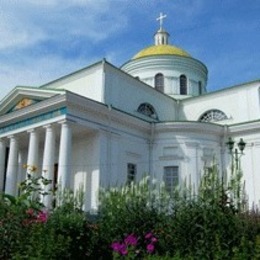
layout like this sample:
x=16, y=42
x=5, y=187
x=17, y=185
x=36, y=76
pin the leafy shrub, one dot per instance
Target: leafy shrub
x=136, y=208
x=140, y=220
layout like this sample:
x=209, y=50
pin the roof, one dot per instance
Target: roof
x=161, y=50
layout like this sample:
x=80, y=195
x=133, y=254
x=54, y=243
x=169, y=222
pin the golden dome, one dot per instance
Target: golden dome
x=161, y=50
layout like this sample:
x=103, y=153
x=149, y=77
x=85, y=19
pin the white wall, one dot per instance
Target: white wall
x=250, y=165
x=240, y=104
x=126, y=93
x=87, y=82
x=190, y=150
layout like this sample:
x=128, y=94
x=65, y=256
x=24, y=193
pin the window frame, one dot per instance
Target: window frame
x=147, y=110
x=159, y=82
x=183, y=85
x=131, y=173
x=171, y=173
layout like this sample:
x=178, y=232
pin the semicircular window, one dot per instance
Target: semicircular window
x=148, y=110
x=213, y=116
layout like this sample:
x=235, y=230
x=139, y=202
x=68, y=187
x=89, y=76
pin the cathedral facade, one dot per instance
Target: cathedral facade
x=104, y=126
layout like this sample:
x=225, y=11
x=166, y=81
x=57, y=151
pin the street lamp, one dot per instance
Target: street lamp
x=236, y=154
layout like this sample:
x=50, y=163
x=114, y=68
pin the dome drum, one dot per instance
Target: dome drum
x=171, y=67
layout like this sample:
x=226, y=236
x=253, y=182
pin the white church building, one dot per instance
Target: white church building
x=104, y=125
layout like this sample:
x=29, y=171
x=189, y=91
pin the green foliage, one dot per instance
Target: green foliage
x=27, y=232
x=212, y=223
x=14, y=228
x=69, y=200
x=72, y=225
x=11, y=229
x=136, y=208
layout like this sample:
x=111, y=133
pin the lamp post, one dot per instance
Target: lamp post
x=235, y=153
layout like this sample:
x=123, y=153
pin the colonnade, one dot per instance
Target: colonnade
x=49, y=151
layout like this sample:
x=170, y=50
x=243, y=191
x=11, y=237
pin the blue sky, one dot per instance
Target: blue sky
x=41, y=40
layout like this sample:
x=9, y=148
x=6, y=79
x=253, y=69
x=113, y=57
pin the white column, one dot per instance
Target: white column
x=33, y=150
x=11, y=174
x=20, y=171
x=64, y=167
x=48, y=162
x=2, y=163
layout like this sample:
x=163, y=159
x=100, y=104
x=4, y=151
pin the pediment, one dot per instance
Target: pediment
x=22, y=97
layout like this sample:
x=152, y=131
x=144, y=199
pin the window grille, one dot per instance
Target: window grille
x=213, y=116
x=148, y=110
x=171, y=178
x=131, y=173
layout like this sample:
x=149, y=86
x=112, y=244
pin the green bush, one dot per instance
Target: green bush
x=136, y=208
x=212, y=224
x=140, y=220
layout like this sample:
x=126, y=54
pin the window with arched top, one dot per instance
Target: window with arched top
x=159, y=82
x=148, y=110
x=213, y=115
x=183, y=85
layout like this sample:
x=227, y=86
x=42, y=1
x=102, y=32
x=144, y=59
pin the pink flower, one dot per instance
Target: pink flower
x=154, y=239
x=148, y=235
x=42, y=217
x=131, y=240
x=150, y=248
x=124, y=251
x=116, y=246
x=119, y=248
x=29, y=212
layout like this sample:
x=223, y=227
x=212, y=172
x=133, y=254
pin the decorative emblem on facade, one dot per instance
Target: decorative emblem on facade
x=23, y=103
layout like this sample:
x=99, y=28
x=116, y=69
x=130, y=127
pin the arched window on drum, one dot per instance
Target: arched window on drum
x=183, y=85
x=159, y=82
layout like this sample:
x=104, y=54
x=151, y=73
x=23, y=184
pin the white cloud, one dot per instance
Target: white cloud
x=35, y=72
x=28, y=22
x=44, y=39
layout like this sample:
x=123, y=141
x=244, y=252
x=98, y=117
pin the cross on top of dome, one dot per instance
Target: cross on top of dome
x=161, y=37
x=160, y=18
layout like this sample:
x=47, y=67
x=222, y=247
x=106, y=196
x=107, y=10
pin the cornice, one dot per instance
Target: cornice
x=191, y=127
x=166, y=61
x=102, y=113
x=245, y=128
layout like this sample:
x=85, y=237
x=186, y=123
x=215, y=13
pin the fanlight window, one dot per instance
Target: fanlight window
x=148, y=110
x=213, y=116
x=159, y=82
